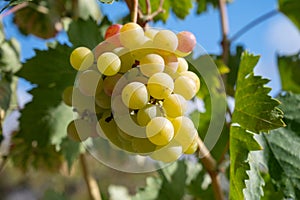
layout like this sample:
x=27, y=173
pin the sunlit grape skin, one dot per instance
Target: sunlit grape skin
x=165, y=40
x=175, y=105
x=135, y=95
x=160, y=131
x=151, y=64
x=186, y=41
x=160, y=85
x=81, y=58
x=108, y=63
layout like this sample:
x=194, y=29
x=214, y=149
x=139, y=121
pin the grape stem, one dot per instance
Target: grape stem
x=145, y=18
x=210, y=166
x=93, y=188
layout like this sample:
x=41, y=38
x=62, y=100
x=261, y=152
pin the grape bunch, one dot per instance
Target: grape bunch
x=133, y=90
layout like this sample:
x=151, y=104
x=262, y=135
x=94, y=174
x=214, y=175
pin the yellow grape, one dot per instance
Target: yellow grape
x=193, y=147
x=108, y=63
x=184, y=130
x=110, y=82
x=175, y=105
x=151, y=64
x=182, y=65
x=135, y=95
x=131, y=35
x=160, y=85
x=143, y=146
x=81, y=58
x=79, y=130
x=171, y=63
x=192, y=76
x=160, y=131
x=67, y=95
x=185, y=86
x=165, y=40
x=167, y=154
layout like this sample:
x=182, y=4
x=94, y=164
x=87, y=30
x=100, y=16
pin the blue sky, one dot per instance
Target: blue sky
x=275, y=35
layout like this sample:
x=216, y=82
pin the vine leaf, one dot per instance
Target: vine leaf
x=281, y=149
x=289, y=69
x=255, y=111
x=170, y=184
x=291, y=9
x=44, y=120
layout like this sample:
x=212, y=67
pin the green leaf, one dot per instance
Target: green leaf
x=89, y=8
x=8, y=95
x=170, y=185
x=51, y=194
x=44, y=120
x=254, y=186
x=254, y=109
x=181, y=8
x=202, y=5
x=70, y=150
x=84, y=33
x=291, y=9
x=282, y=149
x=241, y=143
x=289, y=69
x=10, y=56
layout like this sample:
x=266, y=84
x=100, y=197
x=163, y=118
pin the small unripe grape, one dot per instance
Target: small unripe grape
x=110, y=82
x=81, y=58
x=109, y=64
x=67, y=95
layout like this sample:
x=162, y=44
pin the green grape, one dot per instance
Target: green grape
x=81, y=58
x=82, y=102
x=67, y=95
x=135, y=95
x=79, y=130
x=108, y=63
x=160, y=85
x=175, y=105
x=167, y=154
x=110, y=82
x=131, y=35
x=151, y=64
x=118, y=107
x=192, y=76
x=143, y=146
x=185, y=86
x=160, y=131
x=192, y=148
x=88, y=81
x=127, y=60
x=171, y=63
x=166, y=40
x=184, y=130
x=182, y=65
x=147, y=113
x=102, y=100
